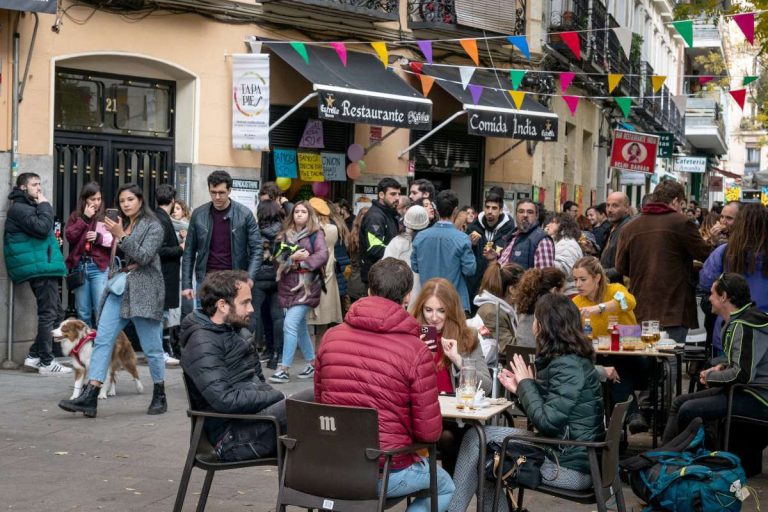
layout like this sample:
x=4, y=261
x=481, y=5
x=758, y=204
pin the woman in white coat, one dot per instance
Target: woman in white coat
x=415, y=219
x=565, y=232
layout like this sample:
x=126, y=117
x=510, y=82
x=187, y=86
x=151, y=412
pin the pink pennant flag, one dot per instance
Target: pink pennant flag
x=704, y=79
x=739, y=95
x=341, y=50
x=746, y=23
x=475, y=91
x=566, y=78
x=572, y=40
x=572, y=102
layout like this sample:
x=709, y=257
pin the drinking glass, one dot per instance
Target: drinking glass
x=646, y=334
x=656, y=330
x=465, y=393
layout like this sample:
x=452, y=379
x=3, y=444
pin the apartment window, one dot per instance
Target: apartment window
x=753, y=156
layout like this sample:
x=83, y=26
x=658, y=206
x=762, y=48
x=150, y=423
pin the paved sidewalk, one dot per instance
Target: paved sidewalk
x=125, y=460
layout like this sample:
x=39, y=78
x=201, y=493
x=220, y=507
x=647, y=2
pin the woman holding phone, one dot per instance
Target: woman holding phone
x=89, y=244
x=139, y=298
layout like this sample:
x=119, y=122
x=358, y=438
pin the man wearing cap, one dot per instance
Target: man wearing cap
x=415, y=219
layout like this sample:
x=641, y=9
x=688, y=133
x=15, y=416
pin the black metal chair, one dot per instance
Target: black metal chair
x=332, y=460
x=604, y=472
x=730, y=417
x=202, y=455
x=529, y=354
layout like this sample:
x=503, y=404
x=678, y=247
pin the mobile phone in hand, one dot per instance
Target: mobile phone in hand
x=113, y=214
x=430, y=336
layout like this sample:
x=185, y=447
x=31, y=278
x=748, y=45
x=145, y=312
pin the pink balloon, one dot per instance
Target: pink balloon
x=353, y=171
x=321, y=188
x=356, y=152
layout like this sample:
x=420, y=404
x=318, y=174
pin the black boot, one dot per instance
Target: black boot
x=272, y=363
x=85, y=403
x=158, y=404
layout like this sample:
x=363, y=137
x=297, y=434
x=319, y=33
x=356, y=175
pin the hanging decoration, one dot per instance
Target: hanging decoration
x=705, y=79
x=739, y=95
x=748, y=80
x=516, y=77
x=657, y=81
x=353, y=171
x=426, y=84
x=681, y=102
x=341, y=50
x=466, y=73
x=572, y=102
x=362, y=165
x=426, y=50
x=521, y=44
x=475, y=91
x=625, y=104
x=566, y=78
x=517, y=97
x=283, y=183
x=381, y=50
x=746, y=22
x=355, y=152
x=470, y=46
x=613, y=81
x=685, y=29
x=321, y=189
x=301, y=49
x=571, y=39
x=624, y=35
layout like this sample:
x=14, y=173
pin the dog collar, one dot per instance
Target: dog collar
x=80, y=344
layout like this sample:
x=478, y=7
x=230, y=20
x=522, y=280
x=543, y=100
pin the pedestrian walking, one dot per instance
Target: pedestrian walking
x=170, y=264
x=380, y=225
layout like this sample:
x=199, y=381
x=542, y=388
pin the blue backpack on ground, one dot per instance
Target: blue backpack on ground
x=683, y=476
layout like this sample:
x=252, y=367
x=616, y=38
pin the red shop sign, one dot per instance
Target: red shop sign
x=634, y=151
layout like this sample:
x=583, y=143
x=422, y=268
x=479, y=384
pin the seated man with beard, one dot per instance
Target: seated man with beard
x=223, y=370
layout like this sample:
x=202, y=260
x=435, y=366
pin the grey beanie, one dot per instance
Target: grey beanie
x=416, y=218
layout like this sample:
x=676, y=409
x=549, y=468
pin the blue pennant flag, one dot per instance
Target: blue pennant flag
x=521, y=44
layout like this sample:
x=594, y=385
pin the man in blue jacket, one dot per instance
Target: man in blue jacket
x=32, y=255
x=444, y=251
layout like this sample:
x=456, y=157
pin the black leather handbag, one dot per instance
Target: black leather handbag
x=520, y=466
x=76, y=277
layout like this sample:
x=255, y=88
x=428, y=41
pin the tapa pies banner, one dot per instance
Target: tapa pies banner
x=250, y=101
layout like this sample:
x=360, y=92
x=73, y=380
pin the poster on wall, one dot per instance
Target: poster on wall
x=250, y=101
x=579, y=197
x=364, y=196
x=634, y=151
x=246, y=192
x=334, y=166
x=285, y=163
x=310, y=167
x=562, y=189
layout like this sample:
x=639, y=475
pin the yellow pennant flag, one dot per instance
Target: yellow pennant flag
x=657, y=81
x=381, y=51
x=613, y=81
x=517, y=97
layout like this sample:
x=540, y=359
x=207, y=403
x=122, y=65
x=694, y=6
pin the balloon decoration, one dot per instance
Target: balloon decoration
x=353, y=171
x=283, y=183
x=356, y=152
x=363, y=166
x=321, y=188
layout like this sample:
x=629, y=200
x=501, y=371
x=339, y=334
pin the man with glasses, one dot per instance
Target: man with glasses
x=223, y=235
x=530, y=246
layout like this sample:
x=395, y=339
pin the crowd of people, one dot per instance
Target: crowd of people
x=388, y=303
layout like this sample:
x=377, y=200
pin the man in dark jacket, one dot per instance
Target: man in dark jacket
x=379, y=226
x=489, y=230
x=32, y=254
x=529, y=246
x=170, y=257
x=223, y=235
x=223, y=371
x=618, y=211
x=656, y=250
x=601, y=226
x=376, y=359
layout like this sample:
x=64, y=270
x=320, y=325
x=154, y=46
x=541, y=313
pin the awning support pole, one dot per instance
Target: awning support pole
x=378, y=142
x=294, y=109
x=510, y=148
x=431, y=133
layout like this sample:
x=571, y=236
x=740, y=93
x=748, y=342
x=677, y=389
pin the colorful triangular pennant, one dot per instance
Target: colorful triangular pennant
x=381, y=51
x=657, y=81
x=341, y=50
x=571, y=39
x=613, y=81
x=475, y=91
x=572, y=102
x=301, y=50
x=516, y=77
x=705, y=79
x=748, y=80
x=470, y=46
x=426, y=50
x=739, y=95
x=624, y=35
x=521, y=44
x=625, y=104
x=566, y=77
x=466, y=73
x=685, y=29
x=416, y=67
x=517, y=97
x=746, y=22
x=681, y=102
x=426, y=84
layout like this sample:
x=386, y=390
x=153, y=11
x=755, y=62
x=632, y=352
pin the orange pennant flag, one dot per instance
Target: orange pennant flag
x=381, y=51
x=517, y=97
x=470, y=46
x=658, y=82
x=613, y=81
x=426, y=84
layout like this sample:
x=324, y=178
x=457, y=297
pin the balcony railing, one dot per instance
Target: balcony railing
x=370, y=10
x=704, y=112
x=706, y=36
x=467, y=14
x=568, y=15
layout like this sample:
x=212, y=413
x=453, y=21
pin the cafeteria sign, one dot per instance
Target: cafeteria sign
x=512, y=124
x=351, y=106
x=634, y=151
x=694, y=164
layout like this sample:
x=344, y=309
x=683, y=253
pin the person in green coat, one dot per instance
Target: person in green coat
x=32, y=255
x=563, y=399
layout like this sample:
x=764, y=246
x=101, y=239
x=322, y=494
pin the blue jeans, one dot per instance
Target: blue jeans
x=415, y=478
x=296, y=332
x=87, y=296
x=110, y=324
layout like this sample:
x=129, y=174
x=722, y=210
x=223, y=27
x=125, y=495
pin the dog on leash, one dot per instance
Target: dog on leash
x=76, y=340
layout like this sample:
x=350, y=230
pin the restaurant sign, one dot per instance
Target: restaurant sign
x=634, y=151
x=366, y=107
x=511, y=124
x=694, y=164
x=666, y=144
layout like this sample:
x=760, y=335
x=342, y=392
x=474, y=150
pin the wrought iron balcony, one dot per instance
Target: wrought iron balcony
x=566, y=15
x=367, y=10
x=467, y=15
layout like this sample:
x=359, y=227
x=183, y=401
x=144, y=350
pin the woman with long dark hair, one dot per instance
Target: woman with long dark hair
x=495, y=302
x=563, y=400
x=135, y=296
x=566, y=233
x=89, y=244
x=356, y=288
x=534, y=284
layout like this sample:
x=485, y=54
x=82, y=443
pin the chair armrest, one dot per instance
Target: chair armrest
x=548, y=440
x=411, y=448
x=231, y=416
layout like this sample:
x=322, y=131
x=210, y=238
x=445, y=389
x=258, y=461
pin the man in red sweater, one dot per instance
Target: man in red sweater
x=376, y=359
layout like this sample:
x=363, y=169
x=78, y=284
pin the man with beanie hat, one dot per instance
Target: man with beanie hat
x=415, y=219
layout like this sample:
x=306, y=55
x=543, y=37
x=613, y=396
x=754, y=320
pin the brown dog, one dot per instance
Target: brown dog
x=76, y=340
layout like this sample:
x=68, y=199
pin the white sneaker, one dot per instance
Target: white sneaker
x=32, y=362
x=54, y=369
x=169, y=360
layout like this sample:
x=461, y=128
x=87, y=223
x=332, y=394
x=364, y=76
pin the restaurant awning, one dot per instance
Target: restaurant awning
x=362, y=92
x=727, y=174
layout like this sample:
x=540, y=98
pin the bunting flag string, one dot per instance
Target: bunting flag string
x=301, y=49
x=685, y=29
x=624, y=35
x=748, y=80
x=705, y=79
x=341, y=50
x=657, y=81
x=625, y=104
x=466, y=73
x=470, y=46
x=426, y=84
x=566, y=78
x=476, y=91
x=521, y=44
x=571, y=39
x=613, y=81
x=517, y=97
x=426, y=50
x=516, y=77
x=381, y=50
x=572, y=102
x=746, y=22
x=739, y=95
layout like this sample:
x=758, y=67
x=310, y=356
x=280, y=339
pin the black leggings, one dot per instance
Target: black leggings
x=710, y=405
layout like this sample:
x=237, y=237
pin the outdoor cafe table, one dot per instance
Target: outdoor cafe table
x=476, y=418
x=656, y=355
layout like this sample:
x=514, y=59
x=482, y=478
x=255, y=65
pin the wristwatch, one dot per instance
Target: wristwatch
x=601, y=307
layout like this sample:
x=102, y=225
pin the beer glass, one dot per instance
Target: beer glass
x=465, y=393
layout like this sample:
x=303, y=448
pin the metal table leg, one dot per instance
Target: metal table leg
x=480, y=463
x=655, y=400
